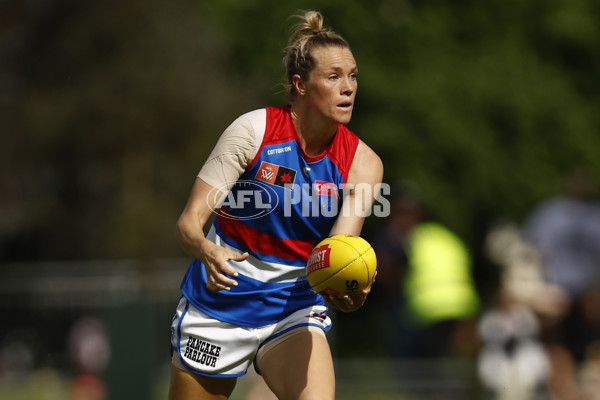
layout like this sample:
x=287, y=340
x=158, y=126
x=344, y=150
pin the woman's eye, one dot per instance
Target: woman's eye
x=333, y=77
x=353, y=77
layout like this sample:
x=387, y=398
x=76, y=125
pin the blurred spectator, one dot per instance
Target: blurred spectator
x=89, y=352
x=89, y=347
x=522, y=277
x=425, y=283
x=512, y=363
x=565, y=231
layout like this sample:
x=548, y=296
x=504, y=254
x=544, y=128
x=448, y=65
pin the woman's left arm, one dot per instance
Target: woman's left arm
x=362, y=188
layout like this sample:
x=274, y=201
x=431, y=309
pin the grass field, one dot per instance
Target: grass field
x=356, y=379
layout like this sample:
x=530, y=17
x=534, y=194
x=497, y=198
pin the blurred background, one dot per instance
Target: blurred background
x=486, y=116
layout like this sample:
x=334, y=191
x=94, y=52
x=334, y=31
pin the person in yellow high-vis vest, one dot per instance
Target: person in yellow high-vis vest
x=439, y=284
x=425, y=283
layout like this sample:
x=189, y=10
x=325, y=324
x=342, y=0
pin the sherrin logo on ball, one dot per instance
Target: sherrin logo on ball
x=341, y=265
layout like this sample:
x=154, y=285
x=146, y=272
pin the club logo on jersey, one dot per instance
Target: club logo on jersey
x=276, y=174
x=319, y=259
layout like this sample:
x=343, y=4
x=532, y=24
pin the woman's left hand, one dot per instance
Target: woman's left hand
x=348, y=303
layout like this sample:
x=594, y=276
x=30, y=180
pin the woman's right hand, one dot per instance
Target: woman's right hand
x=189, y=233
x=218, y=271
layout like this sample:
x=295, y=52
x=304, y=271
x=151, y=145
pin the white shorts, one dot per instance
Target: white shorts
x=206, y=346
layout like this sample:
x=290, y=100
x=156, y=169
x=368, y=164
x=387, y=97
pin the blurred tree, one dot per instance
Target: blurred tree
x=110, y=108
x=113, y=107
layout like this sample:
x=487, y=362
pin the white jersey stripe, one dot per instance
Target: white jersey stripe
x=260, y=270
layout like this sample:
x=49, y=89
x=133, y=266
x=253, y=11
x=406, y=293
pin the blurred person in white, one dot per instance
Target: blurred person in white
x=565, y=231
x=512, y=363
x=89, y=346
x=89, y=352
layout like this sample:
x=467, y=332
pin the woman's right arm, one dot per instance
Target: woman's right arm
x=189, y=232
x=235, y=149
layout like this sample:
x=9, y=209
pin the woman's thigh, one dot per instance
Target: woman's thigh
x=185, y=385
x=300, y=368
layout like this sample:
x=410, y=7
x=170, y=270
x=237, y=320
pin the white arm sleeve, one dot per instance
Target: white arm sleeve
x=235, y=150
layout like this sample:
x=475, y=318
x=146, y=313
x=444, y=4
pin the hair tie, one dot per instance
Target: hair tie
x=318, y=32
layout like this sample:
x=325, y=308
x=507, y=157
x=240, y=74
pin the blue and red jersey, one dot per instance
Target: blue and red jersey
x=283, y=204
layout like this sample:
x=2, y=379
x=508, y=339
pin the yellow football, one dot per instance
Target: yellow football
x=341, y=265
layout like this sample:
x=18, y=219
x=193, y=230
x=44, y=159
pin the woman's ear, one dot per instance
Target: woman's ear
x=299, y=85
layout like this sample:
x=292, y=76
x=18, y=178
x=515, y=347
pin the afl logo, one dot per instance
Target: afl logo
x=254, y=200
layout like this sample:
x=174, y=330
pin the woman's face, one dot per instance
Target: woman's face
x=331, y=86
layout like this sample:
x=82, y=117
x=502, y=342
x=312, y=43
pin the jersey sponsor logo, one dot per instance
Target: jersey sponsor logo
x=319, y=259
x=326, y=188
x=276, y=174
x=202, y=352
x=279, y=150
